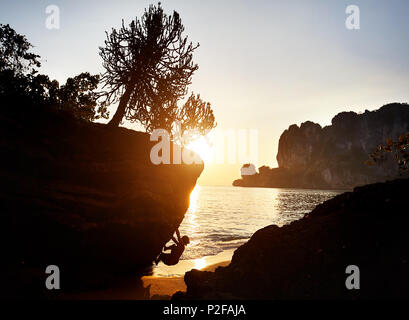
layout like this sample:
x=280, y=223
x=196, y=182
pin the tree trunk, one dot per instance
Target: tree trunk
x=120, y=111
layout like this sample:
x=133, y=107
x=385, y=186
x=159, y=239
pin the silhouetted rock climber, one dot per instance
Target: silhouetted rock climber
x=176, y=250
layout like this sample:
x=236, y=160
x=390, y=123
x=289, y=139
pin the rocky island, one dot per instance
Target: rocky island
x=333, y=157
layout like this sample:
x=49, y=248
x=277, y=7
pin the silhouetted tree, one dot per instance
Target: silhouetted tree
x=14, y=53
x=185, y=123
x=79, y=97
x=18, y=65
x=145, y=60
x=162, y=115
x=195, y=118
x=400, y=149
x=20, y=83
x=42, y=91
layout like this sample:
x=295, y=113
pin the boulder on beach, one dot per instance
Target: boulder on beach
x=85, y=198
x=310, y=258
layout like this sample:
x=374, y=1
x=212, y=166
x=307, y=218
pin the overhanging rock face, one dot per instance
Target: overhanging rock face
x=87, y=199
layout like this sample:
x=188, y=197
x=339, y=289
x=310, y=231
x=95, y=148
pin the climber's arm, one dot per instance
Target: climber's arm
x=174, y=240
x=168, y=248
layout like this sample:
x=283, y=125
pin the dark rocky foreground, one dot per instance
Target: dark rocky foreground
x=333, y=157
x=85, y=198
x=308, y=258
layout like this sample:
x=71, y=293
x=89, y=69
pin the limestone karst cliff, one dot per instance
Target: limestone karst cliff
x=334, y=156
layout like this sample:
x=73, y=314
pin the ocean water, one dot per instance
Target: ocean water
x=220, y=219
x=223, y=218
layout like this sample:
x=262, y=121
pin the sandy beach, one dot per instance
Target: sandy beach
x=147, y=287
x=167, y=286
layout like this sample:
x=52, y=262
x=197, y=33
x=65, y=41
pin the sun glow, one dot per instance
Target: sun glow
x=203, y=148
x=199, y=263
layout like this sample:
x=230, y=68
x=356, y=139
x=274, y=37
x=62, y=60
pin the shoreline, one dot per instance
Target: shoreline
x=161, y=285
x=162, y=288
x=167, y=280
x=179, y=270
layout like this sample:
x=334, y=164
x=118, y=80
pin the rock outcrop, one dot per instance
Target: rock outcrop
x=334, y=157
x=86, y=198
x=308, y=258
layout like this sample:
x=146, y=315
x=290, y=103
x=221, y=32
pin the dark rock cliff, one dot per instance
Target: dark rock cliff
x=307, y=259
x=85, y=198
x=334, y=156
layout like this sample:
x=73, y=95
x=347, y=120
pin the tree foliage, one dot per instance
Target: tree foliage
x=195, y=118
x=400, y=150
x=78, y=95
x=185, y=123
x=148, y=66
x=20, y=83
x=14, y=53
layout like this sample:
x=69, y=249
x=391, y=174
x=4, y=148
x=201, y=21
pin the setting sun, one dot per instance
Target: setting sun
x=203, y=148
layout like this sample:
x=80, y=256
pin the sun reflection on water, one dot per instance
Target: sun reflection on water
x=191, y=226
x=193, y=203
x=220, y=219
